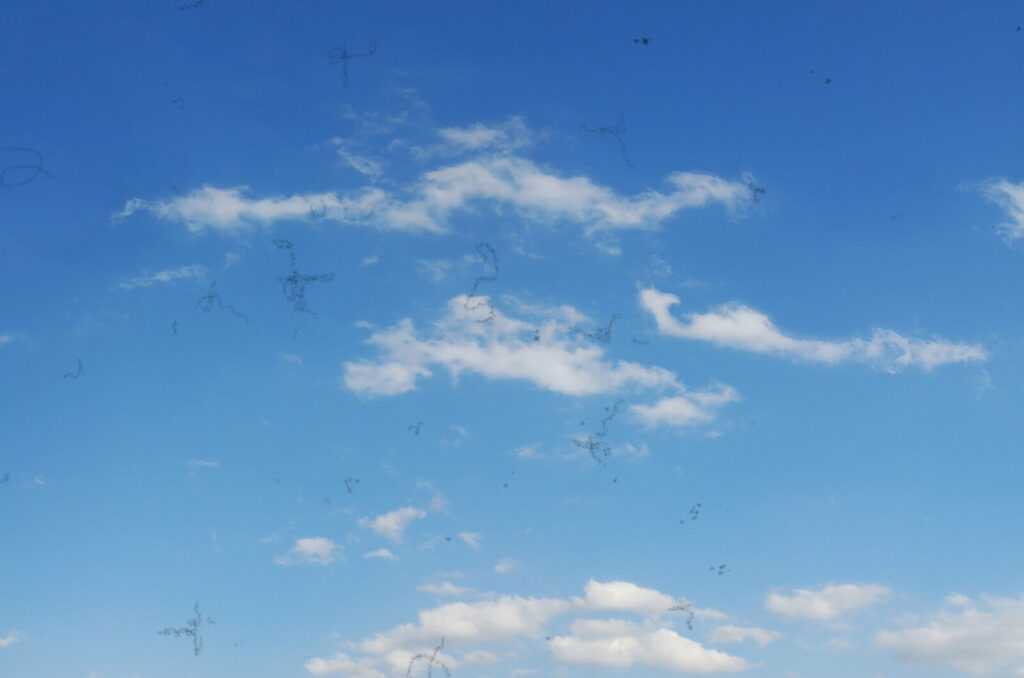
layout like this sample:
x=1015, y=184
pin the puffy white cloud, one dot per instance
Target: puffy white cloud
x=738, y=634
x=625, y=596
x=743, y=328
x=342, y=665
x=688, y=408
x=502, y=348
x=544, y=350
x=621, y=644
x=310, y=551
x=391, y=525
x=10, y=639
x=979, y=639
x=505, y=565
x=147, y=279
x=826, y=603
x=445, y=588
x=513, y=620
x=464, y=623
x=1010, y=197
x=383, y=554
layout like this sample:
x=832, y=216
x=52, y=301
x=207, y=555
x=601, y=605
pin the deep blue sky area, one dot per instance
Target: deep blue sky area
x=373, y=340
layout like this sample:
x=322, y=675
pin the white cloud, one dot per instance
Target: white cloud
x=1010, y=197
x=743, y=328
x=370, y=261
x=543, y=195
x=979, y=639
x=4, y=338
x=827, y=603
x=366, y=166
x=505, y=565
x=147, y=279
x=391, y=525
x=231, y=210
x=502, y=348
x=738, y=634
x=557, y=358
x=620, y=644
x=11, y=638
x=310, y=551
x=465, y=623
x=383, y=554
x=491, y=176
x=445, y=588
x=205, y=463
x=528, y=451
x=471, y=538
x=689, y=408
x=342, y=665
x=511, y=620
x=626, y=596
x=508, y=135
x=291, y=358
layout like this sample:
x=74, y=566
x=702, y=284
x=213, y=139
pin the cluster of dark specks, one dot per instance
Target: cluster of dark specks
x=694, y=513
x=615, y=132
x=191, y=5
x=430, y=660
x=190, y=630
x=20, y=166
x=75, y=375
x=206, y=303
x=341, y=55
x=593, y=443
x=602, y=335
x=293, y=287
x=489, y=258
x=684, y=606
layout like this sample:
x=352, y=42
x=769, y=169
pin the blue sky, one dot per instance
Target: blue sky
x=531, y=349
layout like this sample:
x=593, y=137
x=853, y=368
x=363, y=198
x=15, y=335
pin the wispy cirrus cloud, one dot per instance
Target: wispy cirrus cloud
x=742, y=328
x=231, y=210
x=11, y=638
x=169, y=275
x=1010, y=198
x=203, y=463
